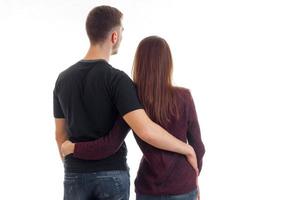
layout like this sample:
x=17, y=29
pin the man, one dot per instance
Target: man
x=88, y=98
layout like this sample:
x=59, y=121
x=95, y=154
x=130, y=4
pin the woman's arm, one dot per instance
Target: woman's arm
x=194, y=134
x=100, y=148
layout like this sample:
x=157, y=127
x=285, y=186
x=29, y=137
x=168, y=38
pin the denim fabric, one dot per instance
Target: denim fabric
x=188, y=196
x=104, y=185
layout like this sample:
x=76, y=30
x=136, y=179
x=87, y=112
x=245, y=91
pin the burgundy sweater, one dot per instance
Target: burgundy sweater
x=160, y=172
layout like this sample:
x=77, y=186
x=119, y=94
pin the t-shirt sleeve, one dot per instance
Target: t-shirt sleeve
x=124, y=95
x=57, y=110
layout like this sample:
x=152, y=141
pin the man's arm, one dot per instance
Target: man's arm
x=60, y=134
x=158, y=137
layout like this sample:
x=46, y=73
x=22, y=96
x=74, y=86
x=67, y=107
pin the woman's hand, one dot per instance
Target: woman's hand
x=192, y=159
x=67, y=148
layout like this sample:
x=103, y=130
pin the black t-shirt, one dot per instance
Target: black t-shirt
x=90, y=95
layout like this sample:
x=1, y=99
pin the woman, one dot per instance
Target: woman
x=161, y=174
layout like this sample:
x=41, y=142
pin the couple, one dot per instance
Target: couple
x=96, y=105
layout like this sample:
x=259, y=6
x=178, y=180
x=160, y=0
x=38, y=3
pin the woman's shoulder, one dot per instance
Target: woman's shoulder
x=182, y=91
x=184, y=96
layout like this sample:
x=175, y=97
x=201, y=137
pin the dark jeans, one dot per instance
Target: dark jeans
x=113, y=185
x=188, y=196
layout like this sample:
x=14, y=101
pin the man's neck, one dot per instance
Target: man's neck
x=97, y=52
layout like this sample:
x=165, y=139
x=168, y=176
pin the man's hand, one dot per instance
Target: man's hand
x=198, y=191
x=67, y=148
x=192, y=159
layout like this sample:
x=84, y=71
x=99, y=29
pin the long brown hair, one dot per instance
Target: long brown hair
x=152, y=74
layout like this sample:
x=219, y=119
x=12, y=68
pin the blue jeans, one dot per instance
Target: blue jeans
x=187, y=196
x=112, y=185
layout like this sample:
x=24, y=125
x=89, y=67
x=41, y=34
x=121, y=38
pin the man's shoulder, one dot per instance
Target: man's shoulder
x=118, y=74
x=79, y=67
x=110, y=70
x=65, y=75
x=67, y=71
x=97, y=70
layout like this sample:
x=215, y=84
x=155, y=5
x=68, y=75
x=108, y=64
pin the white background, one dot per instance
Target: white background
x=240, y=59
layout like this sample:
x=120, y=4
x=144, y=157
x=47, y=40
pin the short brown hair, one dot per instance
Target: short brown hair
x=100, y=21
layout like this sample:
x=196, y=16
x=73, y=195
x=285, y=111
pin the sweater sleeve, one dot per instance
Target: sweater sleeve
x=104, y=146
x=194, y=134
